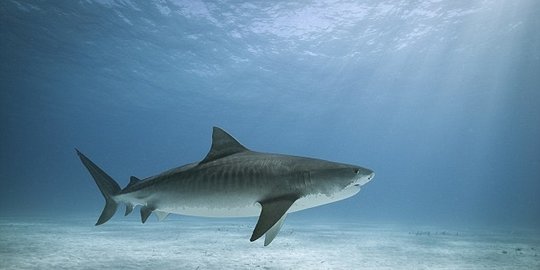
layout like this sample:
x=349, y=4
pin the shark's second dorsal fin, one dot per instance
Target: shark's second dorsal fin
x=133, y=180
x=223, y=145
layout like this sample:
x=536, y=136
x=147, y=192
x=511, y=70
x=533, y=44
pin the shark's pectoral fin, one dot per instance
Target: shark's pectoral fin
x=271, y=234
x=272, y=212
x=145, y=213
x=161, y=215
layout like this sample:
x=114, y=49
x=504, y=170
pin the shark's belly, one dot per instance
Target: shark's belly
x=245, y=211
x=216, y=205
x=241, y=207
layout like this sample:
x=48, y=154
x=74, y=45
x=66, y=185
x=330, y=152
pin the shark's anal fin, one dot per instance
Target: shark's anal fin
x=271, y=234
x=129, y=209
x=272, y=212
x=145, y=213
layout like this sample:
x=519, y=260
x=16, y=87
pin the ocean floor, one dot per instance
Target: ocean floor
x=224, y=244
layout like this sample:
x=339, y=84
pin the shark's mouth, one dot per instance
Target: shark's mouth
x=364, y=180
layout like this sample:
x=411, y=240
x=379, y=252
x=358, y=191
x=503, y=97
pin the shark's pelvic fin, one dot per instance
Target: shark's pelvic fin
x=107, y=186
x=272, y=212
x=271, y=234
x=223, y=144
x=145, y=213
x=161, y=215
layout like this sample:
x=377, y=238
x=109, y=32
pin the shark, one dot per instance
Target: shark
x=233, y=181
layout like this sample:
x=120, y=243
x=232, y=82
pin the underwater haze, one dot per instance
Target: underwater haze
x=441, y=99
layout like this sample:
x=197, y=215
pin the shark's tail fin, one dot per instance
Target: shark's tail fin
x=107, y=186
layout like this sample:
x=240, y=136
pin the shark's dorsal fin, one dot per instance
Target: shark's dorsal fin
x=272, y=213
x=223, y=144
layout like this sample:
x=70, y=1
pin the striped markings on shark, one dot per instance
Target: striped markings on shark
x=233, y=181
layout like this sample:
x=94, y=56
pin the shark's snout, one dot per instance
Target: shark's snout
x=364, y=179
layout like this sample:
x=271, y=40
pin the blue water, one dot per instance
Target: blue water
x=440, y=98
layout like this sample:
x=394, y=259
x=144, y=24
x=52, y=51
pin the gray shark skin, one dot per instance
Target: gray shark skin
x=233, y=181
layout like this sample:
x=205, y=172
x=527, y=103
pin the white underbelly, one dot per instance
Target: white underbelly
x=245, y=207
x=251, y=209
x=248, y=210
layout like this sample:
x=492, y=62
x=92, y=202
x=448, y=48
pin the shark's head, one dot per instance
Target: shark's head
x=339, y=180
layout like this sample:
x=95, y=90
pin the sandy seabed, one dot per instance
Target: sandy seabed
x=224, y=244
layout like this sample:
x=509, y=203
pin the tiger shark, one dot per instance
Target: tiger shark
x=233, y=181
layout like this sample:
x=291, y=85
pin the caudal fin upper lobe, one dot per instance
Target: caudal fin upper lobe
x=107, y=186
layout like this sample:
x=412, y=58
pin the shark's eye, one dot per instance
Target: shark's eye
x=356, y=171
